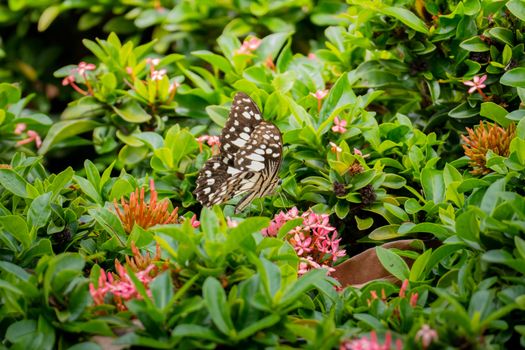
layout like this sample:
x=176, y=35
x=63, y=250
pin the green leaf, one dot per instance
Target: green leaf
x=17, y=227
x=64, y=130
x=162, y=290
x=217, y=61
x=393, y=263
x=406, y=17
x=433, y=185
x=199, y=332
x=305, y=283
x=517, y=8
x=88, y=188
x=9, y=94
x=495, y=112
x=474, y=44
x=219, y=114
x=520, y=246
x=467, y=228
x=396, y=211
x=92, y=173
x=110, y=222
x=385, y=232
x=259, y=325
x=181, y=144
x=441, y=253
x=502, y=34
x=132, y=112
x=61, y=181
x=14, y=183
x=218, y=306
x=419, y=267
x=48, y=16
x=514, y=77
x=39, y=211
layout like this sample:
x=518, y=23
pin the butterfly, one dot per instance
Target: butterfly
x=249, y=159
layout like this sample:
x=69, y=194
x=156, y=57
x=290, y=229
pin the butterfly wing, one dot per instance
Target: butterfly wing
x=249, y=159
x=261, y=155
x=243, y=118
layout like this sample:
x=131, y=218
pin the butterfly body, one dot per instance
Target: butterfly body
x=249, y=159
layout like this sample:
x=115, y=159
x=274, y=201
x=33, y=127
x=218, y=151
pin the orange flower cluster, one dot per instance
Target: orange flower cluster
x=138, y=211
x=483, y=138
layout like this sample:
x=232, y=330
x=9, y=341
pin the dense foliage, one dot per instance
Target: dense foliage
x=400, y=120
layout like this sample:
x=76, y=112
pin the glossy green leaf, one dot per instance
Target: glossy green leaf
x=393, y=263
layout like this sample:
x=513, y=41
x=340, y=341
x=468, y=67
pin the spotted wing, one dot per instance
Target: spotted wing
x=218, y=182
x=242, y=121
x=262, y=156
x=249, y=159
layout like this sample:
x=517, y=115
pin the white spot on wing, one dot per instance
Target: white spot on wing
x=246, y=115
x=256, y=166
x=256, y=157
x=232, y=171
x=244, y=136
x=239, y=142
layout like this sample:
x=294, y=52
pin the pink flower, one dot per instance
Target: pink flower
x=315, y=240
x=213, y=141
x=194, y=221
x=120, y=286
x=335, y=148
x=426, y=335
x=231, y=223
x=403, y=289
x=312, y=56
x=319, y=94
x=364, y=343
x=20, y=127
x=31, y=136
x=84, y=67
x=301, y=243
x=476, y=84
x=248, y=46
x=153, y=61
x=413, y=299
x=339, y=125
x=158, y=74
x=68, y=80
x=173, y=87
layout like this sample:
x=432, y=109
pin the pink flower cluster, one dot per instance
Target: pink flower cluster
x=32, y=136
x=81, y=70
x=121, y=286
x=364, y=343
x=315, y=241
x=339, y=125
x=248, y=46
x=414, y=297
x=212, y=141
